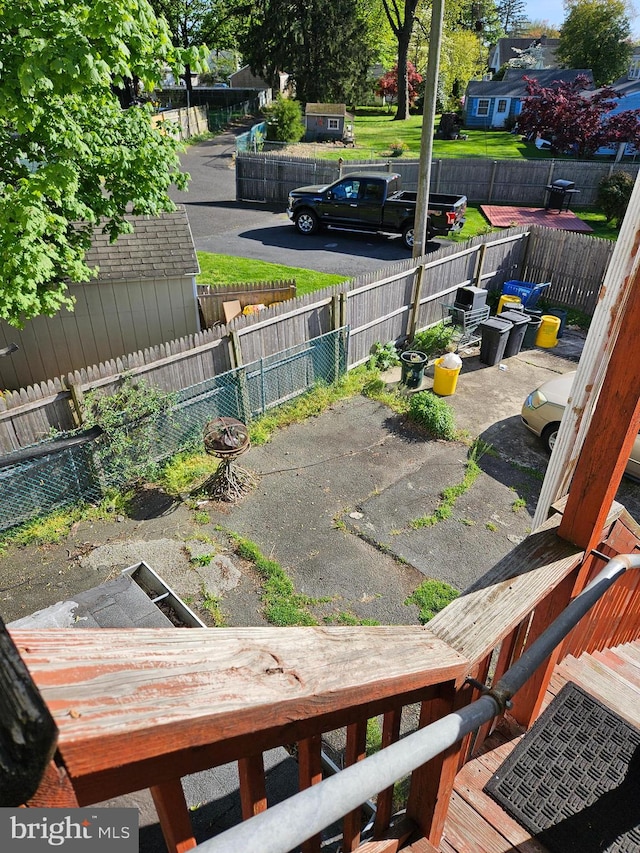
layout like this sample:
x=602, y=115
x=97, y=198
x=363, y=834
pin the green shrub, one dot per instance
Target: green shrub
x=398, y=147
x=284, y=120
x=613, y=196
x=383, y=356
x=433, y=341
x=434, y=414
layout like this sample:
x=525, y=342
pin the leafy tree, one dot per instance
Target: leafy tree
x=196, y=22
x=69, y=155
x=461, y=59
x=536, y=28
x=613, y=196
x=388, y=84
x=513, y=16
x=595, y=35
x=575, y=119
x=284, y=119
x=401, y=17
x=323, y=44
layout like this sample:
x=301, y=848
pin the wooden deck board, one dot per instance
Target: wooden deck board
x=476, y=824
x=475, y=621
x=121, y=697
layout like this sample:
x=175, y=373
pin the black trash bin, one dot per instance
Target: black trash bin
x=412, y=364
x=529, y=340
x=520, y=322
x=561, y=314
x=495, y=333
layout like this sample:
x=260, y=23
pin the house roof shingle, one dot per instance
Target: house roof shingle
x=159, y=247
x=326, y=110
x=514, y=86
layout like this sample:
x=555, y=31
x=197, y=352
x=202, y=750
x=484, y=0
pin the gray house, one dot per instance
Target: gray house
x=326, y=121
x=144, y=295
x=492, y=103
x=509, y=48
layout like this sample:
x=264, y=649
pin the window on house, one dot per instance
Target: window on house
x=502, y=105
x=333, y=124
x=483, y=107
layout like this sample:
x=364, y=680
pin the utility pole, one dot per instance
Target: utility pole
x=428, y=120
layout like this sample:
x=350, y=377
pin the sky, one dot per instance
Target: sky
x=545, y=10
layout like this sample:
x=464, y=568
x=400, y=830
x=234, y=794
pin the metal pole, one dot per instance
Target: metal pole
x=428, y=120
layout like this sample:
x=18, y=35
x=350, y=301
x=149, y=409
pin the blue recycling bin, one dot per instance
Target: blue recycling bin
x=528, y=291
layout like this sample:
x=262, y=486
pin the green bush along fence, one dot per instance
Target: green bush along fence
x=53, y=477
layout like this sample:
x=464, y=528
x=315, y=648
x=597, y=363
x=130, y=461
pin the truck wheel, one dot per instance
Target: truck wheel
x=307, y=222
x=407, y=236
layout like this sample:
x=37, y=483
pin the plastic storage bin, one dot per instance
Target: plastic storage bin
x=445, y=379
x=495, y=332
x=548, y=332
x=506, y=301
x=528, y=291
x=520, y=322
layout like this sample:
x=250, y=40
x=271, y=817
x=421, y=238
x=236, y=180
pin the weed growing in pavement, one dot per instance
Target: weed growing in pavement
x=185, y=471
x=283, y=606
x=491, y=526
x=518, y=504
x=449, y=496
x=211, y=604
x=347, y=618
x=201, y=516
x=431, y=597
x=202, y=560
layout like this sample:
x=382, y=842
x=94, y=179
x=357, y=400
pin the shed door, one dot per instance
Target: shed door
x=500, y=112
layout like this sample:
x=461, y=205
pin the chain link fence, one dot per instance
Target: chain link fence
x=80, y=467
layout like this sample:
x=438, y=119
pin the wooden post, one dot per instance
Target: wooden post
x=415, y=303
x=477, y=274
x=28, y=733
x=432, y=784
x=253, y=797
x=77, y=398
x=173, y=814
x=356, y=751
x=243, y=392
x=384, y=800
x=310, y=773
x=610, y=436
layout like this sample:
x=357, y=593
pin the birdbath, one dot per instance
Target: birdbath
x=227, y=438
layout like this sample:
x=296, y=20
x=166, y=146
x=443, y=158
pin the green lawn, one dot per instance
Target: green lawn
x=225, y=269
x=375, y=130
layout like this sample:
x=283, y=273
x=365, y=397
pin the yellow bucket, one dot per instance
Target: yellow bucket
x=548, y=332
x=507, y=300
x=445, y=379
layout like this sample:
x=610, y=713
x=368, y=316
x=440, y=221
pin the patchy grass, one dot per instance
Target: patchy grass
x=431, y=597
x=227, y=269
x=518, y=504
x=186, y=470
x=212, y=604
x=283, y=606
x=450, y=495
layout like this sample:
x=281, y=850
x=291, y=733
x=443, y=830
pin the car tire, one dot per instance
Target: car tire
x=408, y=236
x=307, y=222
x=549, y=436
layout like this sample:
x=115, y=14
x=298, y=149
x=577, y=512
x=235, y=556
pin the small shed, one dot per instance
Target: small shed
x=324, y=122
x=144, y=295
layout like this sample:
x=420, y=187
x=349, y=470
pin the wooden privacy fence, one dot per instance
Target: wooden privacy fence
x=270, y=176
x=187, y=122
x=387, y=305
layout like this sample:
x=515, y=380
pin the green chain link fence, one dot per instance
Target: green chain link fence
x=57, y=477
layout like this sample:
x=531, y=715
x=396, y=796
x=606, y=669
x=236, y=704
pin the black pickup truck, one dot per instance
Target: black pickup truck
x=372, y=202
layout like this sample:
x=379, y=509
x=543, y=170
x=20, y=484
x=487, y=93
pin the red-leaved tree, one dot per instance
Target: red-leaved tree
x=387, y=86
x=575, y=120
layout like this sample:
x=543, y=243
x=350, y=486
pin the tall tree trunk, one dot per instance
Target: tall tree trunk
x=402, y=112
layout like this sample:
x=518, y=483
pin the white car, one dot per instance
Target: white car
x=542, y=413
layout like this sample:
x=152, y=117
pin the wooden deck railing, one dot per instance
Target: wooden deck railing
x=142, y=708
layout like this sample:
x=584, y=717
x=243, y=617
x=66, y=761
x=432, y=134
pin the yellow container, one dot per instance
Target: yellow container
x=444, y=379
x=508, y=301
x=548, y=332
